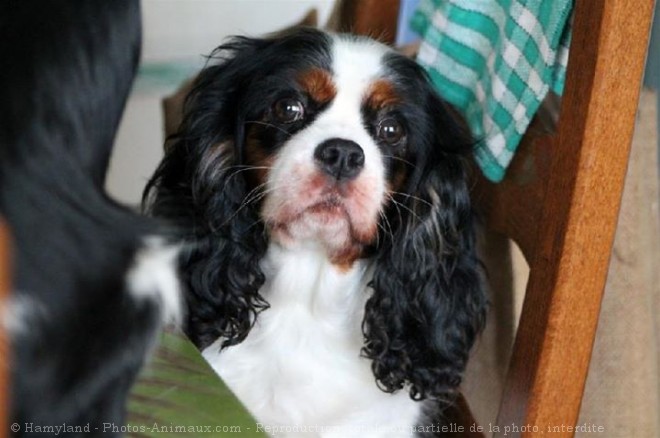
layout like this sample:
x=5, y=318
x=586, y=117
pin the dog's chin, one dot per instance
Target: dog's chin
x=330, y=222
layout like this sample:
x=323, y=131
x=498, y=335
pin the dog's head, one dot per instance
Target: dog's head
x=336, y=141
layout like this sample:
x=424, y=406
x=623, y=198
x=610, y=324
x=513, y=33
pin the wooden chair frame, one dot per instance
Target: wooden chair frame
x=565, y=225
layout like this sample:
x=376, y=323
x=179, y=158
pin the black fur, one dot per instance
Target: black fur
x=67, y=70
x=428, y=302
x=202, y=191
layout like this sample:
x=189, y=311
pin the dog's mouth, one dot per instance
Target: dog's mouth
x=325, y=212
x=330, y=205
x=341, y=216
x=329, y=218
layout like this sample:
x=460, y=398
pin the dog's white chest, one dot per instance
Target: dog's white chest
x=300, y=370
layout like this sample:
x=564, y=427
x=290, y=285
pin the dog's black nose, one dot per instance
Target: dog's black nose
x=342, y=159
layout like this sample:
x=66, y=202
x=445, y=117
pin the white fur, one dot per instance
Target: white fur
x=154, y=276
x=300, y=366
x=18, y=312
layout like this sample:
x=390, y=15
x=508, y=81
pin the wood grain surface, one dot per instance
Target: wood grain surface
x=568, y=240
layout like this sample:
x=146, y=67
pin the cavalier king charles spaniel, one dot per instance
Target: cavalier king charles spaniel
x=319, y=185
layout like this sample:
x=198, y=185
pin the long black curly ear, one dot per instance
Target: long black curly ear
x=199, y=187
x=428, y=301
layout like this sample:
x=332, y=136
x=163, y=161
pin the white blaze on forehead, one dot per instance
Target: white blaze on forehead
x=356, y=64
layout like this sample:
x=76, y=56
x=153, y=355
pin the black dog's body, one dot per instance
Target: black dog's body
x=78, y=337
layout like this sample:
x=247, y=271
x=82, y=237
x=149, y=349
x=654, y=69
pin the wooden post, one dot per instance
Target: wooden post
x=553, y=346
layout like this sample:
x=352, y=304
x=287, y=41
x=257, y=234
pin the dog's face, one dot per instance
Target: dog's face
x=339, y=142
x=328, y=145
x=333, y=130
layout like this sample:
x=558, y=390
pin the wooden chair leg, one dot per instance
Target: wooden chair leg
x=555, y=336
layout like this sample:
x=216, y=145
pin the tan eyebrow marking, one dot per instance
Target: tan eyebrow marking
x=318, y=84
x=381, y=94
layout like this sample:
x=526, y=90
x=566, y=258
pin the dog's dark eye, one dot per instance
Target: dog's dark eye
x=288, y=110
x=390, y=130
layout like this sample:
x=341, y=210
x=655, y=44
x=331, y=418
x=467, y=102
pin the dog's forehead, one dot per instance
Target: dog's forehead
x=357, y=60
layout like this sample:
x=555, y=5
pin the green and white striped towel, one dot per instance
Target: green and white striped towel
x=495, y=60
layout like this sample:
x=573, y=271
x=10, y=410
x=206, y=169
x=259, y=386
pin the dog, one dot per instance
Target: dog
x=320, y=188
x=92, y=281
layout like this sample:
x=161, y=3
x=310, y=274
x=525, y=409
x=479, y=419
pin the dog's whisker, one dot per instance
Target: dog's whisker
x=408, y=209
x=416, y=198
x=388, y=232
x=252, y=196
x=394, y=157
x=244, y=168
x=243, y=204
x=396, y=205
x=270, y=125
x=399, y=204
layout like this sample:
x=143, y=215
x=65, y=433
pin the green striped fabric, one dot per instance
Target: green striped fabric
x=495, y=60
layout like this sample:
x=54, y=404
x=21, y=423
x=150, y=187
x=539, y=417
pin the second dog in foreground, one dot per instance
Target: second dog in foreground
x=320, y=185
x=92, y=281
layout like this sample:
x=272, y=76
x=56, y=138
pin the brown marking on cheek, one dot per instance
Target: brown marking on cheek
x=381, y=94
x=343, y=259
x=318, y=84
x=398, y=178
x=258, y=157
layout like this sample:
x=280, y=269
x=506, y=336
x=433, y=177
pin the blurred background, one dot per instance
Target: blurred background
x=176, y=36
